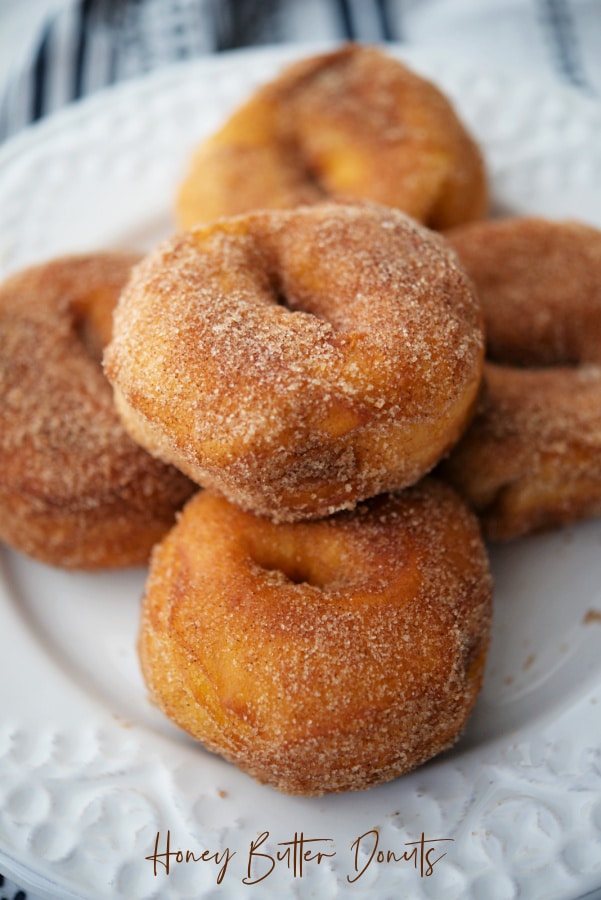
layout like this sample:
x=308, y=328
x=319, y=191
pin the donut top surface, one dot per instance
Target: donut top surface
x=279, y=337
x=352, y=124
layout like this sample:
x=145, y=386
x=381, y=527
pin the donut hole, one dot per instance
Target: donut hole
x=92, y=317
x=285, y=296
x=304, y=168
x=279, y=295
x=281, y=299
x=299, y=559
x=88, y=338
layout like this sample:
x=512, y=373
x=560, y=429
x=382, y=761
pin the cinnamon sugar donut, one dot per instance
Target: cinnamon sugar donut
x=320, y=656
x=75, y=491
x=531, y=460
x=352, y=124
x=299, y=361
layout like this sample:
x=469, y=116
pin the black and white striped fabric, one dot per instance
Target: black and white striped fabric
x=10, y=891
x=94, y=43
x=89, y=44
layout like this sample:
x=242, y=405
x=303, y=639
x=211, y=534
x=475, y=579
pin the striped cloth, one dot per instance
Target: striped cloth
x=89, y=44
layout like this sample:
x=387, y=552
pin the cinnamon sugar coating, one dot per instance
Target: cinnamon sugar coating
x=320, y=656
x=354, y=124
x=75, y=491
x=299, y=361
x=531, y=460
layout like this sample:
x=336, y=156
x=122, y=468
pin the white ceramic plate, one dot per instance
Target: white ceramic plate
x=90, y=773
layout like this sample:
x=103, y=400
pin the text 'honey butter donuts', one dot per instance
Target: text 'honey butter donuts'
x=353, y=124
x=320, y=656
x=75, y=490
x=299, y=361
x=531, y=460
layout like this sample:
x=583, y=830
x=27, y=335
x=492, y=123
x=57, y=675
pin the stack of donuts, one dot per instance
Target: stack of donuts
x=301, y=427
x=301, y=365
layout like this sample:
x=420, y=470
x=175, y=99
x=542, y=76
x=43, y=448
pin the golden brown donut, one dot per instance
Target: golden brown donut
x=531, y=460
x=299, y=361
x=352, y=124
x=320, y=656
x=75, y=491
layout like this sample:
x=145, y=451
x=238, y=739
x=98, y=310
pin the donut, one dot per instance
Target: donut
x=320, y=656
x=299, y=361
x=352, y=124
x=75, y=491
x=531, y=459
